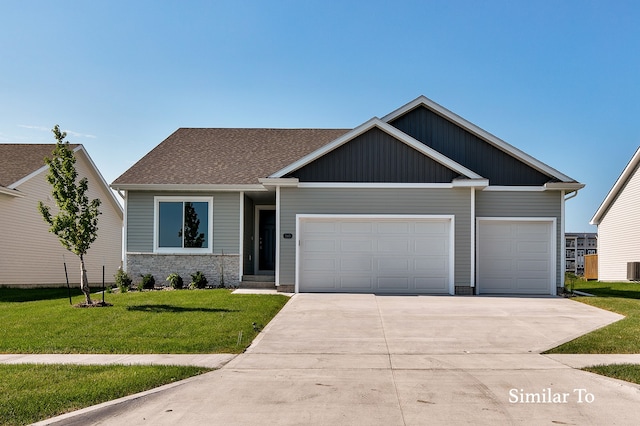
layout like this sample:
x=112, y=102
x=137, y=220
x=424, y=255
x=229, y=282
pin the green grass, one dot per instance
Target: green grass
x=626, y=372
x=622, y=337
x=29, y=392
x=185, y=321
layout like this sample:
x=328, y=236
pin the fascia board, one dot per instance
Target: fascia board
x=387, y=128
x=626, y=174
x=279, y=181
x=483, y=134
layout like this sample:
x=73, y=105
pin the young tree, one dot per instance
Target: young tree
x=76, y=223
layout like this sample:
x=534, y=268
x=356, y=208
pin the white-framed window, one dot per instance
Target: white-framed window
x=183, y=224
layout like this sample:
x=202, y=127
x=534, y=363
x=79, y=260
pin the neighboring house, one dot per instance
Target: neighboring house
x=418, y=202
x=618, y=221
x=30, y=255
x=577, y=246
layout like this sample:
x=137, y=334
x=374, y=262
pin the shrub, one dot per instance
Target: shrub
x=175, y=280
x=147, y=283
x=123, y=281
x=198, y=280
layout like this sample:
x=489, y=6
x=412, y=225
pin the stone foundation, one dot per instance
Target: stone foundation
x=161, y=265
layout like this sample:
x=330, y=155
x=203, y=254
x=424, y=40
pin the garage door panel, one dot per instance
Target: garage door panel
x=432, y=284
x=375, y=255
x=356, y=227
x=515, y=256
x=357, y=282
x=393, y=284
x=388, y=245
x=386, y=265
x=359, y=245
x=362, y=264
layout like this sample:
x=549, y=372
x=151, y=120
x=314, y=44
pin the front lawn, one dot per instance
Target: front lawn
x=180, y=321
x=622, y=337
x=29, y=393
x=626, y=372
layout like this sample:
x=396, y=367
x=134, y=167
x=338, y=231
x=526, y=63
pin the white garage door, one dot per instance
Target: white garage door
x=395, y=254
x=516, y=256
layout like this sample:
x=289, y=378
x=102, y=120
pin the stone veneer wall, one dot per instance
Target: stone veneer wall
x=161, y=265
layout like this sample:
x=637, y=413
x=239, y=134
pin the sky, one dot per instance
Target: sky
x=560, y=80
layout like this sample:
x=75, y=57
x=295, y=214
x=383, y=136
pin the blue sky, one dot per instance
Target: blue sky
x=559, y=80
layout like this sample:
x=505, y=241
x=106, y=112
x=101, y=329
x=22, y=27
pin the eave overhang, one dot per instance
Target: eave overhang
x=164, y=187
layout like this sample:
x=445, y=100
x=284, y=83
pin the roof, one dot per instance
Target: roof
x=627, y=173
x=224, y=156
x=17, y=161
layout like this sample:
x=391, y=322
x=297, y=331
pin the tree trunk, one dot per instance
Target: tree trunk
x=84, y=282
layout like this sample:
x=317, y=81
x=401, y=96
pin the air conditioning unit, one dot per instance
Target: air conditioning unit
x=633, y=271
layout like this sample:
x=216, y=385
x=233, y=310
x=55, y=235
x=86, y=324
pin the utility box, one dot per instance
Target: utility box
x=633, y=271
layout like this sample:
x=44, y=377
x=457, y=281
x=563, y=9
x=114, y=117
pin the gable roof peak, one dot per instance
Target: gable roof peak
x=622, y=180
x=479, y=132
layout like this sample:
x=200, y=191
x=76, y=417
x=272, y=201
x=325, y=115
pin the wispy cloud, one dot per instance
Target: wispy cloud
x=69, y=132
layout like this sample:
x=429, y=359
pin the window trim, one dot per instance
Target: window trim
x=181, y=250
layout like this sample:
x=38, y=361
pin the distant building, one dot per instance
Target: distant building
x=577, y=246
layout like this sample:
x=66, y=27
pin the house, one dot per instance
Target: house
x=31, y=256
x=420, y=201
x=618, y=221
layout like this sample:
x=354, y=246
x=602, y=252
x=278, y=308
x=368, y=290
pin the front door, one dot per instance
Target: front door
x=267, y=240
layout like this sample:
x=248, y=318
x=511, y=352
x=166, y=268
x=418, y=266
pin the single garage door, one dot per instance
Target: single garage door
x=363, y=254
x=515, y=256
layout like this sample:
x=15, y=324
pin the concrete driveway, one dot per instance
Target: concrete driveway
x=330, y=359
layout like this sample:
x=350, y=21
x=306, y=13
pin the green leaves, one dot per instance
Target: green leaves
x=76, y=223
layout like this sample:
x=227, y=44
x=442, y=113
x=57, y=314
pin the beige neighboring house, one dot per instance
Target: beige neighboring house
x=31, y=256
x=618, y=221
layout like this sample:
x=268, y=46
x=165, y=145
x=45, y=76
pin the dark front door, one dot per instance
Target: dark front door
x=267, y=240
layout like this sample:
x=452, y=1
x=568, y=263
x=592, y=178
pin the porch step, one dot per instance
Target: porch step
x=258, y=281
x=260, y=278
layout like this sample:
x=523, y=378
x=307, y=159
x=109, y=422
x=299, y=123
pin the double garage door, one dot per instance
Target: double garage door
x=362, y=254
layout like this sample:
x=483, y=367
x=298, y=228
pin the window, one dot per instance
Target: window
x=183, y=224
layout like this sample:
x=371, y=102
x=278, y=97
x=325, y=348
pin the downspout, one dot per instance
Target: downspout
x=125, y=196
x=563, y=241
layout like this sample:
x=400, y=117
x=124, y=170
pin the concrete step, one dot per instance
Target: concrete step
x=259, y=278
x=258, y=285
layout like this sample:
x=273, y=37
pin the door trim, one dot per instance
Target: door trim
x=256, y=239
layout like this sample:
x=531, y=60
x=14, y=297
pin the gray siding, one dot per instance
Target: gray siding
x=226, y=220
x=455, y=202
x=467, y=149
x=375, y=156
x=525, y=204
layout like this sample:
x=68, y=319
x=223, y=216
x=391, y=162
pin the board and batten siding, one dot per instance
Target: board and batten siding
x=375, y=201
x=226, y=220
x=533, y=204
x=619, y=233
x=30, y=255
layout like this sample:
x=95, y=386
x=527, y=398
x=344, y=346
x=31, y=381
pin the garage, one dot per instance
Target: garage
x=516, y=256
x=404, y=254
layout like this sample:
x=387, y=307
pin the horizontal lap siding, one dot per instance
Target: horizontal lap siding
x=32, y=256
x=619, y=233
x=375, y=201
x=525, y=204
x=226, y=220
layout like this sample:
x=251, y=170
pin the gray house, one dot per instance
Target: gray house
x=418, y=202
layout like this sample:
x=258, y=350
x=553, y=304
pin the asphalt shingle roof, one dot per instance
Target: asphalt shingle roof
x=224, y=156
x=19, y=160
